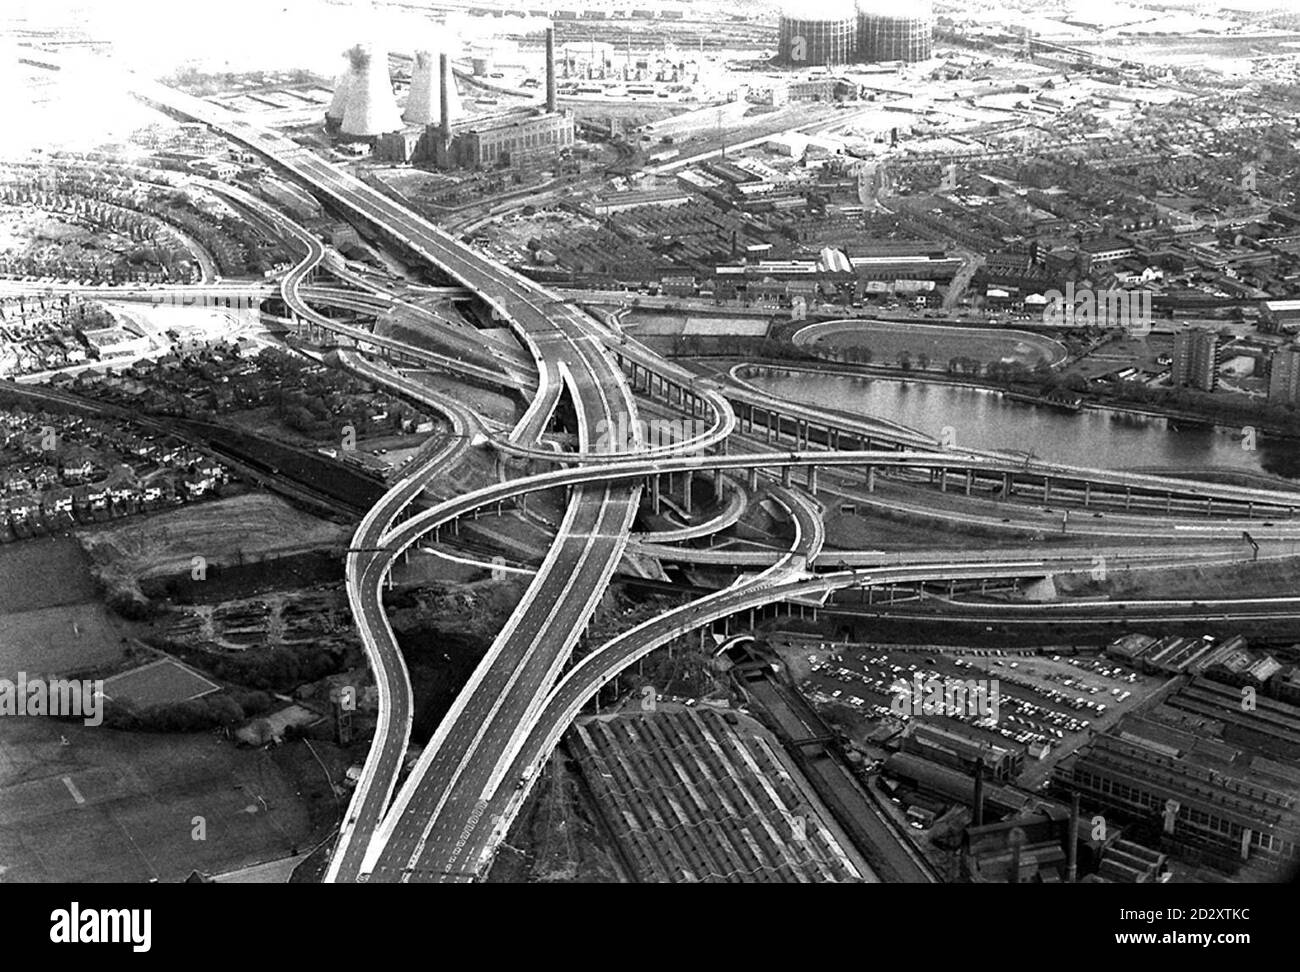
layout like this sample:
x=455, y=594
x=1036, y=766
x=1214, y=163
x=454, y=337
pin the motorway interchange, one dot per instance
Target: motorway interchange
x=453, y=810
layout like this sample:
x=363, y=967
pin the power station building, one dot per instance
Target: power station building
x=509, y=139
x=432, y=128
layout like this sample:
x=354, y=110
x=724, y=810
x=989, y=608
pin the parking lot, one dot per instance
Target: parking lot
x=1045, y=701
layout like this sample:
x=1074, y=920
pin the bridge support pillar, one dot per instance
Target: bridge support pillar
x=785, y=476
x=1008, y=487
x=717, y=482
x=1087, y=495
x=1209, y=506
x=943, y=480
x=1128, y=498
x=970, y=480
x=687, y=478
x=772, y=427
x=871, y=479
x=812, y=480
x=753, y=479
x=654, y=493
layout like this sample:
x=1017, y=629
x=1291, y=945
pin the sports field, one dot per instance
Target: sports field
x=90, y=804
x=888, y=340
x=158, y=682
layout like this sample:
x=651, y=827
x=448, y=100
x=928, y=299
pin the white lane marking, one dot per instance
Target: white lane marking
x=72, y=788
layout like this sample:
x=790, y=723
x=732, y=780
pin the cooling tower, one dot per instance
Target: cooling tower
x=817, y=32
x=886, y=33
x=339, y=103
x=422, y=103
x=371, y=109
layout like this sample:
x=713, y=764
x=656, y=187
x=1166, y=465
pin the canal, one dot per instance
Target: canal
x=983, y=419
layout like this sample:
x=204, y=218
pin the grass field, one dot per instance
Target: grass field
x=59, y=640
x=889, y=339
x=115, y=806
x=43, y=573
x=51, y=621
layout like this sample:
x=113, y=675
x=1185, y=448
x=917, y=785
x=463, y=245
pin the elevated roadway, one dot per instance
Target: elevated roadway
x=457, y=803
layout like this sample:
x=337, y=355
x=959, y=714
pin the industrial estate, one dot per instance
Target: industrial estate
x=651, y=442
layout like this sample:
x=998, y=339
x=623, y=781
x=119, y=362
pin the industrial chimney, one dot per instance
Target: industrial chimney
x=550, y=69
x=371, y=109
x=446, y=88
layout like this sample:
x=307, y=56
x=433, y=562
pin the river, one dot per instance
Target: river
x=982, y=419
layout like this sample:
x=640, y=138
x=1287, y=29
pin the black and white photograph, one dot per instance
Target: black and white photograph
x=648, y=442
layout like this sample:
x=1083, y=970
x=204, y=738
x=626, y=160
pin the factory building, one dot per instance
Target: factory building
x=819, y=32
x=888, y=33
x=1279, y=315
x=1215, y=778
